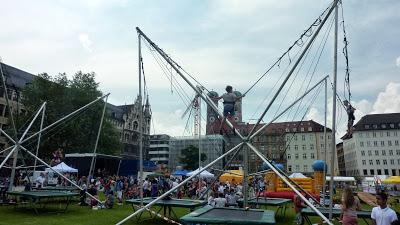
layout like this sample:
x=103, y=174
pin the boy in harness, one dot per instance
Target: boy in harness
x=229, y=104
x=350, y=113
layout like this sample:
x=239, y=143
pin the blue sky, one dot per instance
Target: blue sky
x=220, y=42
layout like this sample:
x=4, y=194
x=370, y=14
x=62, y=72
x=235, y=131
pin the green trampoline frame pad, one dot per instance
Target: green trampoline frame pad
x=205, y=215
x=183, y=203
x=42, y=194
x=335, y=212
x=267, y=201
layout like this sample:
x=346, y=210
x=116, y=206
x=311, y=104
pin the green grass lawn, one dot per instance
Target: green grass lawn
x=86, y=216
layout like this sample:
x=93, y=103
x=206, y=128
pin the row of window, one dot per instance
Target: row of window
x=383, y=152
x=382, y=143
x=381, y=133
x=379, y=172
x=297, y=168
x=383, y=126
x=378, y=162
x=303, y=137
x=296, y=156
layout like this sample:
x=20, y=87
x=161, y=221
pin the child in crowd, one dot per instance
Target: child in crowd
x=110, y=200
x=220, y=201
x=350, y=205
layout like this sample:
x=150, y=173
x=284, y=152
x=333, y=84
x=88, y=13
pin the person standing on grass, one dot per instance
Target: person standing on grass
x=350, y=205
x=382, y=214
x=298, y=206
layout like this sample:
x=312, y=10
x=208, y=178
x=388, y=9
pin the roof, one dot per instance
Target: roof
x=385, y=121
x=295, y=127
x=15, y=77
x=115, y=112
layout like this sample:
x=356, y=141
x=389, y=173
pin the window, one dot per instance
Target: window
x=304, y=156
x=390, y=152
x=363, y=153
x=297, y=168
x=289, y=156
x=383, y=152
x=392, y=161
x=303, y=137
x=388, y=133
x=361, y=144
x=367, y=134
x=305, y=168
x=376, y=152
x=296, y=156
x=372, y=172
x=369, y=153
x=373, y=134
x=303, y=147
x=364, y=162
x=395, y=133
x=366, y=126
x=384, y=162
x=389, y=143
x=382, y=143
x=397, y=152
x=290, y=168
x=365, y=172
x=322, y=145
x=375, y=126
x=379, y=171
x=368, y=143
x=381, y=133
x=396, y=142
x=386, y=171
x=322, y=137
x=378, y=162
x=360, y=134
x=311, y=147
x=312, y=156
x=371, y=162
x=375, y=143
x=391, y=125
x=295, y=137
x=393, y=172
x=296, y=147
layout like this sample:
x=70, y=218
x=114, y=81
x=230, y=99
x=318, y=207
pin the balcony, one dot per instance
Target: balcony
x=152, y=152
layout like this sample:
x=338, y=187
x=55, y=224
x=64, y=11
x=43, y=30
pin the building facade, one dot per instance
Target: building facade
x=159, y=148
x=211, y=145
x=340, y=159
x=374, y=148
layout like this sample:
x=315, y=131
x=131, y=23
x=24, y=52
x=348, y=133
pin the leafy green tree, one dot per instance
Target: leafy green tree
x=190, y=157
x=77, y=134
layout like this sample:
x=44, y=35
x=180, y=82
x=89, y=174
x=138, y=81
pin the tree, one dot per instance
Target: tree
x=75, y=135
x=190, y=157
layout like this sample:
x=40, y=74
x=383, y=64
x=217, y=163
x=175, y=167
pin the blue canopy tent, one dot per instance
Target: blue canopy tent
x=180, y=172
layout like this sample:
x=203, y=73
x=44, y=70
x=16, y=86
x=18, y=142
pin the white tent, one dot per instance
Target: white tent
x=297, y=175
x=204, y=174
x=62, y=168
x=343, y=179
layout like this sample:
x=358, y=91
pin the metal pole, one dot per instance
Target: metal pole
x=40, y=136
x=325, y=142
x=140, y=120
x=59, y=174
x=199, y=126
x=289, y=183
x=245, y=175
x=92, y=164
x=8, y=156
x=294, y=67
x=174, y=66
x=179, y=185
x=333, y=149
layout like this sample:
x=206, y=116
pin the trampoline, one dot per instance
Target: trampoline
x=306, y=212
x=36, y=198
x=57, y=188
x=280, y=203
x=168, y=204
x=210, y=215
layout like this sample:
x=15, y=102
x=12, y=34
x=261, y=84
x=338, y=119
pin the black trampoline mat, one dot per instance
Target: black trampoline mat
x=233, y=214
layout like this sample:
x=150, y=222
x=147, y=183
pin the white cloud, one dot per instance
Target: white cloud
x=388, y=101
x=398, y=61
x=85, y=42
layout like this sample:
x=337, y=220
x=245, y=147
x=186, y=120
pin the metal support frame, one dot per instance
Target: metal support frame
x=92, y=163
x=18, y=144
x=40, y=136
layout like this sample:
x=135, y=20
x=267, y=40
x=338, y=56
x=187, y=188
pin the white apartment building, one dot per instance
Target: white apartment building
x=305, y=144
x=159, y=148
x=374, y=148
x=211, y=145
